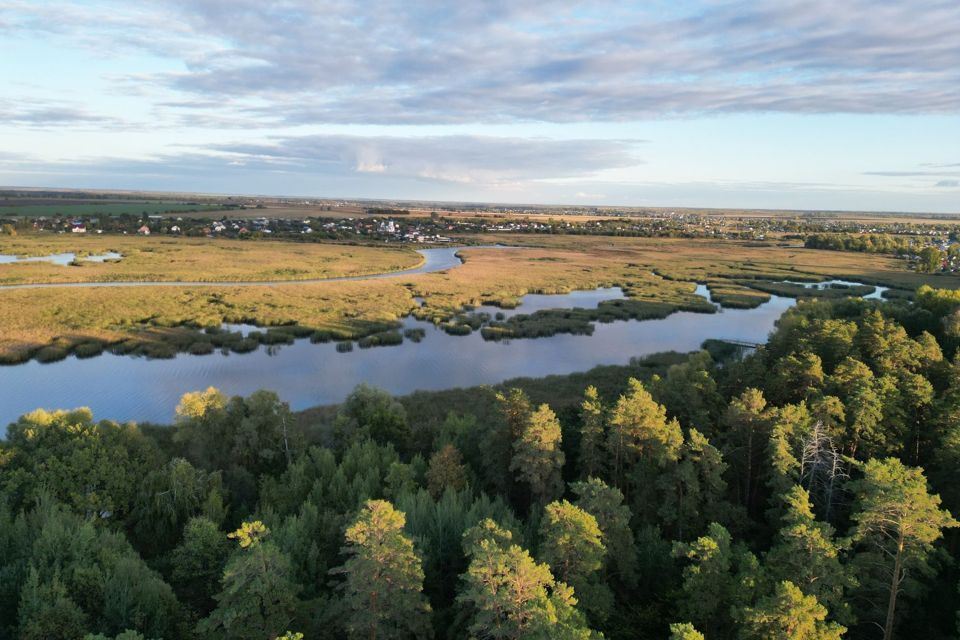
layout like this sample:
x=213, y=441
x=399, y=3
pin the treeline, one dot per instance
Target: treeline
x=804, y=491
x=863, y=242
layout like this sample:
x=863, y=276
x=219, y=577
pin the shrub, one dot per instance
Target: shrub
x=51, y=354
x=88, y=349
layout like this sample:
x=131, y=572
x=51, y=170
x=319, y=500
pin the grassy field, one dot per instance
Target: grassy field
x=105, y=208
x=194, y=259
x=658, y=273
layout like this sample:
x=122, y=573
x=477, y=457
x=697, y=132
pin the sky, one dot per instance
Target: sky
x=788, y=104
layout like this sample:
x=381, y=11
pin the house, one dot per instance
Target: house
x=144, y=230
x=78, y=229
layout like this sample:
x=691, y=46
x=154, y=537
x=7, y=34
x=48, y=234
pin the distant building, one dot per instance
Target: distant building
x=144, y=230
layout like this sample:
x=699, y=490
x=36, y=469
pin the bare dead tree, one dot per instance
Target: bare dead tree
x=822, y=469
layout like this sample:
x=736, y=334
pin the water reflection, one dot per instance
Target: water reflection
x=305, y=374
x=62, y=259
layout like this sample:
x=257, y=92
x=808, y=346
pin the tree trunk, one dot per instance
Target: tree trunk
x=894, y=591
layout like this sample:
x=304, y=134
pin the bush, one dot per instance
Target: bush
x=201, y=348
x=88, y=349
x=246, y=345
x=158, y=350
x=276, y=336
x=456, y=329
x=415, y=334
x=51, y=354
x=382, y=339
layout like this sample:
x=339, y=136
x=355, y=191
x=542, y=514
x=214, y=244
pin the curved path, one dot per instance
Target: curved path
x=434, y=260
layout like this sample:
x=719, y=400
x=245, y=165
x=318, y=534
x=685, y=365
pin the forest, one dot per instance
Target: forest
x=804, y=490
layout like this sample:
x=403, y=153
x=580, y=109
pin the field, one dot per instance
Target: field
x=658, y=275
x=194, y=259
x=106, y=208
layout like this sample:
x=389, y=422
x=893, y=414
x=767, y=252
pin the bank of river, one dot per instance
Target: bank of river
x=305, y=374
x=121, y=387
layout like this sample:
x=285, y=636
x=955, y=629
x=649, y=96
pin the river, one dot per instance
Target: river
x=305, y=374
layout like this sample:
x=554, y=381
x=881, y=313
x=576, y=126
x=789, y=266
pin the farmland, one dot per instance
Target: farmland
x=71, y=209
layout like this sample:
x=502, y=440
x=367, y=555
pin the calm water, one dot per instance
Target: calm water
x=434, y=260
x=876, y=295
x=63, y=259
x=305, y=374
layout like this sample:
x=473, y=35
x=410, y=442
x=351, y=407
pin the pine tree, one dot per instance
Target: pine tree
x=258, y=599
x=512, y=597
x=747, y=430
x=639, y=430
x=689, y=392
x=446, y=470
x=788, y=614
x=796, y=376
x=896, y=521
x=516, y=410
x=383, y=589
x=684, y=631
x=197, y=564
x=806, y=553
x=692, y=491
x=537, y=457
x=592, y=434
x=613, y=517
x=570, y=542
x=719, y=578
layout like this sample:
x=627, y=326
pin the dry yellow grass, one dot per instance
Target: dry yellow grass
x=652, y=270
x=196, y=259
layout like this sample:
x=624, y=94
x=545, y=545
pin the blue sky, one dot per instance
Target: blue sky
x=807, y=104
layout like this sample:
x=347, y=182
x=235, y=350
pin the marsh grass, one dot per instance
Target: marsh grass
x=658, y=277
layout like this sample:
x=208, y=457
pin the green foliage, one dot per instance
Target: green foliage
x=168, y=497
x=68, y=571
x=372, y=413
x=639, y=430
x=896, y=521
x=806, y=554
x=382, y=591
x=863, y=242
x=94, y=468
x=446, y=471
x=537, y=456
x=856, y=387
x=790, y=615
x=689, y=392
x=693, y=491
x=746, y=424
x=930, y=259
x=248, y=435
x=512, y=597
x=592, y=434
x=684, y=631
x=719, y=579
x=47, y=612
x=197, y=564
x=570, y=542
x=606, y=505
x=258, y=598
